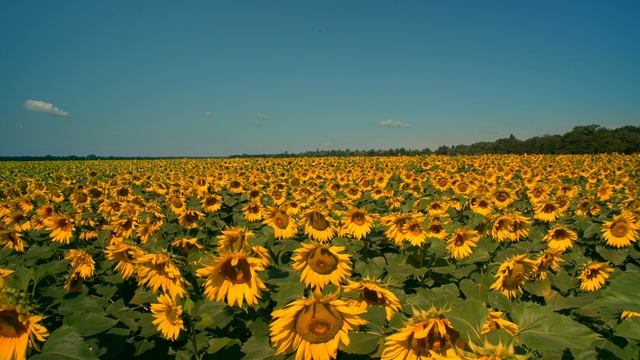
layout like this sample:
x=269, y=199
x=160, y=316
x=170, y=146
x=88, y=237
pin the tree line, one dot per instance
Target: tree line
x=587, y=139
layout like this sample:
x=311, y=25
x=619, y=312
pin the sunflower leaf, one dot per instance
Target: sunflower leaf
x=362, y=343
x=65, y=344
x=89, y=324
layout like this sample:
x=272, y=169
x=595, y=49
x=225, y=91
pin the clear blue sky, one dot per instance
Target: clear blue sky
x=225, y=77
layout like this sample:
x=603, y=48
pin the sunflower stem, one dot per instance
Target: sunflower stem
x=194, y=340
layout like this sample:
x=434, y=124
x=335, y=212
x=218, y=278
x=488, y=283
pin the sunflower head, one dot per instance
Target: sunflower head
x=19, y=330
x=314, y=327
x=373, y=293
x=512, y=275
x=320, y=264
x=234, y=239
x=427, y=334
x=621, y=231
x=594, y=276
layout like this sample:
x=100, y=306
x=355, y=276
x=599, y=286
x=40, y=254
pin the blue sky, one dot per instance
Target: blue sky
x=226, y=77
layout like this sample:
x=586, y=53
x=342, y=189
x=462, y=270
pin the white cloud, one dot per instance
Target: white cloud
x=260, y=117
x=393, y=123
x=208, y=113
x=44, y=107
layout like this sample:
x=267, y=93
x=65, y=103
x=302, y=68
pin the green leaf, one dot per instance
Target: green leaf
x=468, y=317
x=375, y=315
x=211, y=314
x=615, y=256
x=544, y=330
x=217, y=344
x=143, y=296
x=89, y=324
x=362, y=343
x=372, y=268
x=629, y=328
x=65, y=344
x=257, y=348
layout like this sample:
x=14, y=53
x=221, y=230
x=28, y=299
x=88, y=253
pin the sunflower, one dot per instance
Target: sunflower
x=502, y=198
x=496, y=321
x=428, y=334
x=81, y=262
x=18, y=222
x=489, y=351
x=159, y=271
x=314, y=327
x=234, y=239
x=4, y=274
x=211, y=203
x=233, y=275
x=186, y=243
x=560, y=238
x=189, y=219
x=548, y=260
x=415, y=232
x=19, y=330
x=12, y=240
x=621, y=231
x=501, y=229
x=594, y=275
x=481, y=206
x=372, y=293
x=126, y=255
x=318, y=225
x=320, y=264
x=547, y=211
x=436, y=229
x=395, y=224
x=628, y=314
x=252, y=211
x=512, y=274
x=357, y=223
x=283, y=224
x=167, y=315
x=461, y=243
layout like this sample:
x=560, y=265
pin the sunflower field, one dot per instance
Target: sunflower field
x=426, y=257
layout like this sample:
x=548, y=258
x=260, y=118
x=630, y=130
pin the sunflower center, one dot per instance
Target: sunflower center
x=322, y=260
x=515, y=276
x=459, y=239
x=281, y=220
x=211, y=201
x=239, y=273
x=436, y=228
x=10, y=325
x=371, y=297
x=560, y=234
x=318, y=221
x=548, y=208
x=358, y=218
x=502, y=196
x=620, y=229
x=415, y=229
x=318, y=323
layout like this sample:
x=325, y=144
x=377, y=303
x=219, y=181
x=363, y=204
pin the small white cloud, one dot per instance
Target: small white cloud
x=260, y=117
x=326, y=143
x=208, y=113
x=393, y=123
x=44, y=107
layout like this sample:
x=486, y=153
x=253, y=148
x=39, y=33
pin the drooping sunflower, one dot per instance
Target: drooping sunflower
x=428, y=334
x=512, y=274
x=357, y=223
x=395, y=224
x=4, y=274
x=462, y=242
x=189, y=219
x=373, y=293
x=12, y=240
x=234, y=238
x=61, y=229
x=81, y=262
x=496, y=320
x=594, y=276
x=19, y=331
x=621, y=231
x=167, y=315
x=157, y=270
x=549, y=260
x=501, y=229
x=186, y=243
x=283, y=224
x=628, y=314
x=321, y=264
x=314, y=327
x=126, y=255
x=318, y=225
x=560, y=238
x=234, y=276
